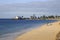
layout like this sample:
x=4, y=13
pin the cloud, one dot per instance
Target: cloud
x=51, y=7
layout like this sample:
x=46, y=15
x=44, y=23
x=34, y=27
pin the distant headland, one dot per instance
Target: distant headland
x=51, y=17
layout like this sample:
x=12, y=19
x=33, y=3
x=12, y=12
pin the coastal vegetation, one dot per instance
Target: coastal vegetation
x=51, y=17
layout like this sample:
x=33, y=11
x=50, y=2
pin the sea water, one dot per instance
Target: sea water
x=10, y=29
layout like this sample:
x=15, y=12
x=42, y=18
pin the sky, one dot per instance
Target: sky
x=17, y=1
x=26, y=8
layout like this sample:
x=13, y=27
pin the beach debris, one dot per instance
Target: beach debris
x=49, y=24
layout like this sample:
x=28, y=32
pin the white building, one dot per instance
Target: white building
x=17, y=17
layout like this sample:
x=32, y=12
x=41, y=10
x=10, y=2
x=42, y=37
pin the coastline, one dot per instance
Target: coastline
x=45, y=32
x=16, y=28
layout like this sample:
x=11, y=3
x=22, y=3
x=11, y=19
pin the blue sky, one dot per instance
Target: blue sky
x=17, y=1
x=26, y=8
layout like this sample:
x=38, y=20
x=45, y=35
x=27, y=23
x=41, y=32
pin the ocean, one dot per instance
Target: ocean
x=10, y=29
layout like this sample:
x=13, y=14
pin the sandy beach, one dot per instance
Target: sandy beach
x=45, y=32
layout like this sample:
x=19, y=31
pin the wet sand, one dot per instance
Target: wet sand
x=45, y=32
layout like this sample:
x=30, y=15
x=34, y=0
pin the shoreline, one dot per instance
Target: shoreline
x=30, y=29
x=13, y=35
x=43, y=30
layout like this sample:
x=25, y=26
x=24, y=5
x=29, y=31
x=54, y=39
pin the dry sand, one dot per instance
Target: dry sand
x=46, y=32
